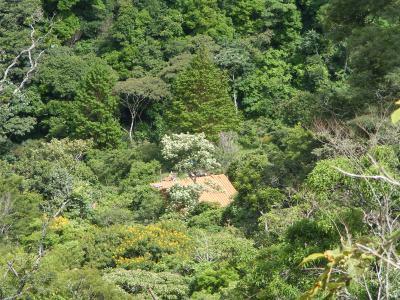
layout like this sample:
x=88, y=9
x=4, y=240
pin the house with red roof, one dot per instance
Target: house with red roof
x=223, y=197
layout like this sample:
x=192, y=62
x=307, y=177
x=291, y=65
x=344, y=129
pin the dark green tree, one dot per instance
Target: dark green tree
x=60, y=78
x=204, y=17
x=202, y=102
x=235, y=60
x=62, y=72
x=268, y=90
x=367, y=34
x=94, y=107
x=79, y=18
x=284, y=18
x=246, y=16
x=14, y=121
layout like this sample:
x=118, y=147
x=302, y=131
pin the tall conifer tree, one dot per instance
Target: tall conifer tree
x=202, y=102
x=94, y=108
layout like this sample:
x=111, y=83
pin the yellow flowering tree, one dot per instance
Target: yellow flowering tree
x=136, y=247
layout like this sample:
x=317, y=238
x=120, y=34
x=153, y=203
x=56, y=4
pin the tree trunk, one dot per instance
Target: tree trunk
x=265, y=221
x=151, y=293
x=234, y=92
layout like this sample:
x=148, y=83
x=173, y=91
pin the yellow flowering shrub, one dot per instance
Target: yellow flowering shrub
x=136, y=247
x=59, y=223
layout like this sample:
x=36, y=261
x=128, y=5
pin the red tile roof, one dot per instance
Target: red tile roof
x=223, y=197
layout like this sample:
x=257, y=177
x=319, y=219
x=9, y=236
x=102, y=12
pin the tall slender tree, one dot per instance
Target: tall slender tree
x=94, y=108
x=137, y=93
x=202, y=102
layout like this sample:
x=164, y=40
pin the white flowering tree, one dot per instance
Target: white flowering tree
x=189, y=153
x=183, y=198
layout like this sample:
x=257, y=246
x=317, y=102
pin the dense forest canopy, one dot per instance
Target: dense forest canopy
x=291, y=99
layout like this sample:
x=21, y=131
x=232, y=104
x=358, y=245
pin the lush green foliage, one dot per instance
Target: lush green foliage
x=136, y=247
x=100, y=99
x=202, y=101
x=140, y=282
x=190, y=153
x=94, y=109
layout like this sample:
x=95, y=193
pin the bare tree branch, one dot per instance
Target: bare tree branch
x=373, y=252
x=362, y=152
x=376, y=177
x=34, y=44
x=26, y=272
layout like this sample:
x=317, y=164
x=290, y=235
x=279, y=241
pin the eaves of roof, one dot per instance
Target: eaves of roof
x=223, y=197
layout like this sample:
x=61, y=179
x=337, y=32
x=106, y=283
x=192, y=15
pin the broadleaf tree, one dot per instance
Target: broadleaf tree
x=190, y=153
x=137, y=93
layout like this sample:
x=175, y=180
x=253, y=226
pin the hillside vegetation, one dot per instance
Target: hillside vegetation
x=291, y=99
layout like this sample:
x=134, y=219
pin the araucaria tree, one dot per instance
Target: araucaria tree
x=201, y=100
x=94, y=108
